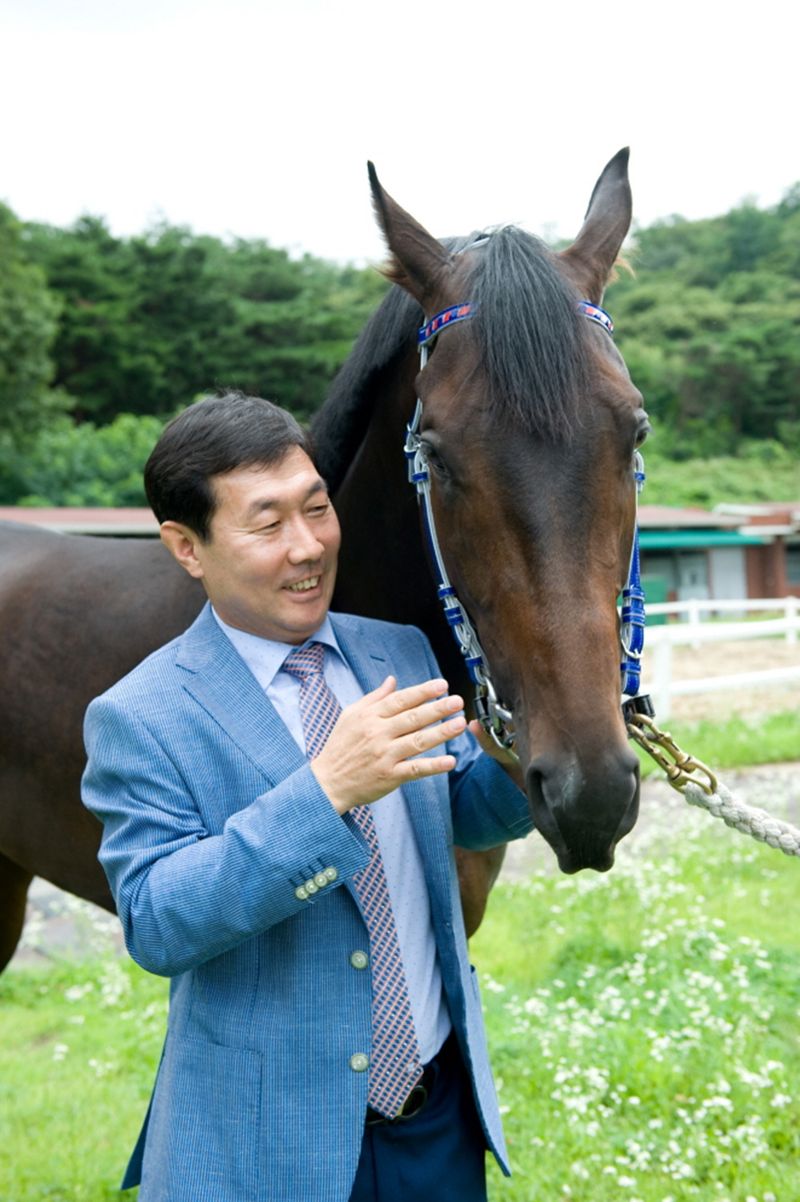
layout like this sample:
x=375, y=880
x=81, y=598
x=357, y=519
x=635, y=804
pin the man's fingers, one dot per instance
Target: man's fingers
x=429, y=765
x=383, y=690
x=428, y=737
x=423, y=715
x=416, y=694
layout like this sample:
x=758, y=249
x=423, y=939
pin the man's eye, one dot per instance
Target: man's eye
x=318, y=510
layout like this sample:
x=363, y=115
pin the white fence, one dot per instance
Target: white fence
x=695, y=629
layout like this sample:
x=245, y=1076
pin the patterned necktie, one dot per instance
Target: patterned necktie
x=395, y=1065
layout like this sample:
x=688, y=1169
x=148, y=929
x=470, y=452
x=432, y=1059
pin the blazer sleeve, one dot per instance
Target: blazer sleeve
x=185, y=895
x=487, y=806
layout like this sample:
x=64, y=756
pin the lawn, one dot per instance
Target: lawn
x=643, y=1027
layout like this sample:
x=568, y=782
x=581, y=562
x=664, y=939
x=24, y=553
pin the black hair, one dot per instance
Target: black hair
x=216, y=435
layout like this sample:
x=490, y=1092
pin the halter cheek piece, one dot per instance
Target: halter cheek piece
x=493, y=716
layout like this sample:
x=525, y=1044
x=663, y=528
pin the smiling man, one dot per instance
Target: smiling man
x=280, y=789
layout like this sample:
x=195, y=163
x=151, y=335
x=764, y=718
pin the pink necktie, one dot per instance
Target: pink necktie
x=395, y=1064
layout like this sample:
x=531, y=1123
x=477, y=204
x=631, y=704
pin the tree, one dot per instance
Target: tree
x=151, y=321
x=28, y=323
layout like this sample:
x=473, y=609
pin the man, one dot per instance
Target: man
x=289, y=863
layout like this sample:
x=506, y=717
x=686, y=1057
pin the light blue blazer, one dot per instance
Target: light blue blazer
x=213, y=826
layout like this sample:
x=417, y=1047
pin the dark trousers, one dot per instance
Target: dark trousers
x=439, y=1153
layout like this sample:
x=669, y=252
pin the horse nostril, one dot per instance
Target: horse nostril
x=583, y=809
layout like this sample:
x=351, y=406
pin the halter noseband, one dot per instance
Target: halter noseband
x=493, y=716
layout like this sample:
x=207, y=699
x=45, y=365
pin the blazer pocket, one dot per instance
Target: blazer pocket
x=204, y=1134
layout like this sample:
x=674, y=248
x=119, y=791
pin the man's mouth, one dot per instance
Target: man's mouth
x=303, y=586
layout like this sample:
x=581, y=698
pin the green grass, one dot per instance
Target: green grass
x=79, y=1045
x=644, y=1025
x=735, y=742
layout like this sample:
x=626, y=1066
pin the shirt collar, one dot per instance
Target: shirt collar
x=264, y=657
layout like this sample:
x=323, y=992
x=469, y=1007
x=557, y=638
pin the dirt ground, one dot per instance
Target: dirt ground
x=725, y=659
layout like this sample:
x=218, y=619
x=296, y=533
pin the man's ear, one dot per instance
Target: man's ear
x=182, y=542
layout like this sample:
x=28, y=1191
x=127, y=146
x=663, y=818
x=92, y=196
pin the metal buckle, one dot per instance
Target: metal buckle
x=681, y=768
x=410, y=1108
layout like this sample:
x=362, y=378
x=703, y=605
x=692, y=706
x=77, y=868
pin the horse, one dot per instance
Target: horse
x=527, y=424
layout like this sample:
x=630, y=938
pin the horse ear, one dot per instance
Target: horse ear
x=592, y=255
x=418, y=262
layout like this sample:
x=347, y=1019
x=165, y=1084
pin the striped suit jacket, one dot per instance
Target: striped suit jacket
x=213, y=825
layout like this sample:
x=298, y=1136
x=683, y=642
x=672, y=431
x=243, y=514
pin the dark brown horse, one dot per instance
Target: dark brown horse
x=529, y=424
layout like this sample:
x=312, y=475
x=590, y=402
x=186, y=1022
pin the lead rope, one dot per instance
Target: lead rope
x=685, y=773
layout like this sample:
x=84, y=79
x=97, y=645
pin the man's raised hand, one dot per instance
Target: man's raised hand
x=372, y=747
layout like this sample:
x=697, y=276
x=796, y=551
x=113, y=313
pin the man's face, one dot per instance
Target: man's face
x=269, y=566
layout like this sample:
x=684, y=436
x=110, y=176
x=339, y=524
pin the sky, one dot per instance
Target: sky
x=256, y=120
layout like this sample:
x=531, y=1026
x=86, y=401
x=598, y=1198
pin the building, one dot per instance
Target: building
x=773, y=563
x=692, y=553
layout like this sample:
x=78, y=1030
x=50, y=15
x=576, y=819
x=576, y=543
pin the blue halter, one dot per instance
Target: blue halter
x=493, y=716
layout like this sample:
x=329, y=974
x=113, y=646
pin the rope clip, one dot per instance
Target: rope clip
x=680, y=768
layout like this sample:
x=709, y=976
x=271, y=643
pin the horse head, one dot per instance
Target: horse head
x=529, y=425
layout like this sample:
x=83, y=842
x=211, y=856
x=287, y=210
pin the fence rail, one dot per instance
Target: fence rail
x=693, y=631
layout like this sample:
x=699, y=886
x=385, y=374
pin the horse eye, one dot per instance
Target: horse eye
x=435, y=460
x=643, y=429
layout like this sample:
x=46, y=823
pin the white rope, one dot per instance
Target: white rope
x=744, y=818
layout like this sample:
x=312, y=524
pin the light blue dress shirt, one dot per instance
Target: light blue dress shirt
x=401, y=858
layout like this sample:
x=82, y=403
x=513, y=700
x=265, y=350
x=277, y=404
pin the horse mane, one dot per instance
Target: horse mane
x=530, y=339
x=340, y=425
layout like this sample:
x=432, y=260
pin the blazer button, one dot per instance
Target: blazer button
x=320, y=880
x=359, y=959
x=310, y=887
x=359, y=1062
x=300, y=893
x=331, y=873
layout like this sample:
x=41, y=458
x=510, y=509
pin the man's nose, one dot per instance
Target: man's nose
x=304, y=543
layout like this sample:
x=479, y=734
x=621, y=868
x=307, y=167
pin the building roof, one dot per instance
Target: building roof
x=767, y=517
x=663, y=540
x=670, y=517
x=84, y=520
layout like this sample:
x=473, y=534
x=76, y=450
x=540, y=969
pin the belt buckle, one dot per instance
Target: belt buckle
x=409, y=1110
x=413, y=1103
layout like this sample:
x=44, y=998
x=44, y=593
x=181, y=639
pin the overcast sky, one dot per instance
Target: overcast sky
x=257, y=119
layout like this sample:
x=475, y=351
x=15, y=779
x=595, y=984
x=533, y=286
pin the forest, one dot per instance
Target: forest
x=103, y=338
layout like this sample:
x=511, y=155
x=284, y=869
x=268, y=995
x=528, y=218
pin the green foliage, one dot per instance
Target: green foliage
x=149, y=322
x=709, y=326
x=28, y=320
x=763, y=470
x=98, y=326
x=67, y=464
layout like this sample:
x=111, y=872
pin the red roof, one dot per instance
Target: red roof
x=84, y=520
x=668, y=517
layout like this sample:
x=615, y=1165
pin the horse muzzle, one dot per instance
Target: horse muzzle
x=583, y=810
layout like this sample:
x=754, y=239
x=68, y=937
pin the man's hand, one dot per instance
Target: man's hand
x=370, y=749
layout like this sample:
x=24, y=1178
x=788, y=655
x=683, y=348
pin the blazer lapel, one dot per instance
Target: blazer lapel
x=217, y=678
x=364, y=653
